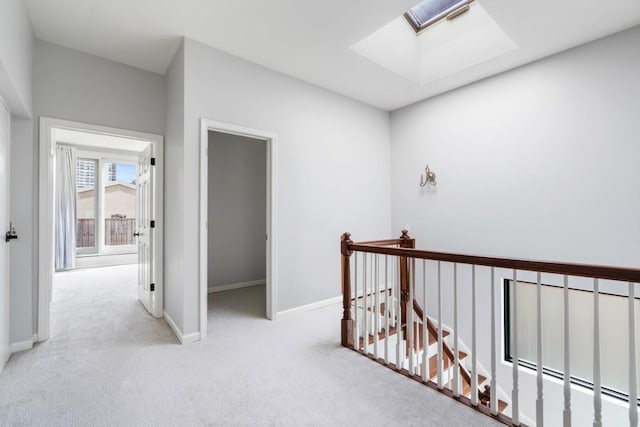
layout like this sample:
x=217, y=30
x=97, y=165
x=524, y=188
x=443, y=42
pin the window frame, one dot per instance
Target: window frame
x=532, y=365
x=103, y=158
x=450, y=13
x=90, y=250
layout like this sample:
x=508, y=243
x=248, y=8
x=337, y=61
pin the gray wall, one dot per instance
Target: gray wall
x=174, y=191
x=540, y=162
x=545, y=154
x=75, y=86
x=332, y=171
x=24, y=216
x=16, y=45
x=237, y=209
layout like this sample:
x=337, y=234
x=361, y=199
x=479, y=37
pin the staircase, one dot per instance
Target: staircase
x=382, y=319
x=387, y=345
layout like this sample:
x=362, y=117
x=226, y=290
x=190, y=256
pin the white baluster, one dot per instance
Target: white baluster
x=567, y=361
x=474, y=349
x=597, y=385
x=633, y=386
x=365, y=298
x=539, y=364
x=410, y=328
x=439, y=357
x=386, y=308
x=376, y=310
x=515, y=411
x=425, y=322
x=355, y=310
x=494, y=398
x=398, y=315
x=456, y=361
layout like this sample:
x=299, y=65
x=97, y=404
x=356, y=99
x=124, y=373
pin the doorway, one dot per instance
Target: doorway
x=250, y=259
x=100, y=205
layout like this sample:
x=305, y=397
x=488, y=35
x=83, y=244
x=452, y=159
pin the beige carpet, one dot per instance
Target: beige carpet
x=108, y=363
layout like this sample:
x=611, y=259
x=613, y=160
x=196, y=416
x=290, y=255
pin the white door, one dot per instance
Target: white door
x=4, y=226
x=145, y=228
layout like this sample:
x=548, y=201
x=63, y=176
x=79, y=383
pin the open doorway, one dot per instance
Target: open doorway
x=100, y=207
x=237, y=215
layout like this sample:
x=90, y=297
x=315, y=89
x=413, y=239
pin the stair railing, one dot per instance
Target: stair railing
x=381, y=292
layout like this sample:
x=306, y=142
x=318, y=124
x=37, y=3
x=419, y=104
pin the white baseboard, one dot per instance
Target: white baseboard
x=308, y=307
x=22, y=345
x=184, y=339
x=232, y=286
x=93, y=261
x=191, y=338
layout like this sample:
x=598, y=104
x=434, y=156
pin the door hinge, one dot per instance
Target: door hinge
x=153, y=161
x=153, y=224
x=152, y=287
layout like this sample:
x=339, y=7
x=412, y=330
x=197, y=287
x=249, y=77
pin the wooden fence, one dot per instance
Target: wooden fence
x=117, y=231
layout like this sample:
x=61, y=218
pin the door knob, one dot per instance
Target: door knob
x=137, y=234
x=11, y=234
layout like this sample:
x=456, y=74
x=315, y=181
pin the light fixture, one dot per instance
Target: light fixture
x=429, y=177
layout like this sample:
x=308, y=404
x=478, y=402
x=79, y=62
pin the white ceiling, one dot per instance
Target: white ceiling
x=312, y=40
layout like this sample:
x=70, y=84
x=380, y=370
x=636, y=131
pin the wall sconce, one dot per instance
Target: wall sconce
x=429, y=177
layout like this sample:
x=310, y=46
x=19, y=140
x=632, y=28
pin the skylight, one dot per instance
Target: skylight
x=442, y=50
x=428, y=12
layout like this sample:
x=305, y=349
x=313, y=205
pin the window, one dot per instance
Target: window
x=119, y=204
x=106, y=204
x=431, y=11
x=86, y=205
x=613, y=341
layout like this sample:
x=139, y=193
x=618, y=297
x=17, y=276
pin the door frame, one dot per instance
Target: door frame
x=46, y=216
x=5, y=294
x=270, y=138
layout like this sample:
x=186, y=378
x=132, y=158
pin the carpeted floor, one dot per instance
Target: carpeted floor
x=108, y=363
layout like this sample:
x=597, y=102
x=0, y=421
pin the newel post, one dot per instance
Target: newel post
x=346, y=337
x=405, y=242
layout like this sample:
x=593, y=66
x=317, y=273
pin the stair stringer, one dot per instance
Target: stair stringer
x=482, y=370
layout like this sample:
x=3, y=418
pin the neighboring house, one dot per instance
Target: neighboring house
x=119, y=201
x=536, y=152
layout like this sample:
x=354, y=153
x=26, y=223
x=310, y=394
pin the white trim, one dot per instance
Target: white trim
x=173, y=326
x=5, y=276
x=270, y=139
x=308, y=307
x=46, y=217
x=239, y=285
x=105, y=260
x=190, y=338
x=23, y=345
x=184, y=339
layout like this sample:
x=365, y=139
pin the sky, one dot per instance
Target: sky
x=125, y=173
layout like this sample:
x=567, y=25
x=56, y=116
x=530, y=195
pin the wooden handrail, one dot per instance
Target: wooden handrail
x=622, y=274
x=386, y=242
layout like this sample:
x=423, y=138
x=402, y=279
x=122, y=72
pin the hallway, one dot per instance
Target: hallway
x=109, y=363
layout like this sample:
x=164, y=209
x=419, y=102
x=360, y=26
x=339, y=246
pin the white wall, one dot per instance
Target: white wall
x=237, y=209
x=539, y=162
x=75, y=86
x=16, y=44
x=332, y=172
